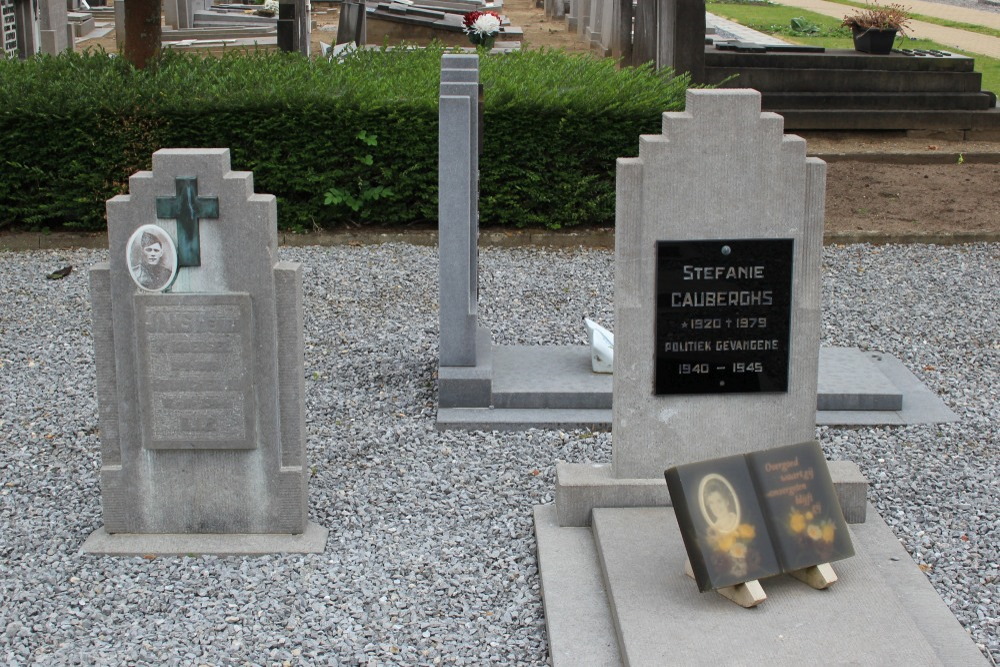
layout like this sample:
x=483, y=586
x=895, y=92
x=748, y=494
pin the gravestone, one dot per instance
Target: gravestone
x=10, y=46
x=199, y=349
x=465, y=360
x=573, y=14
x=752, y=206
x=582, y=14
x=28, y=27
x=718, y=227
x=669, y=33
x=179, y=14
x=55, y=32
x=294, y=26
x=555, y=9
x=351, y=25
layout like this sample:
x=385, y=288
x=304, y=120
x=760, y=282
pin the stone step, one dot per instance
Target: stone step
x=838, y=60
x=987, y=121
x=787, y=101
x=768, y=79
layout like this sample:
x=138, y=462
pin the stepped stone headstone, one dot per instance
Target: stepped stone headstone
x=199, y=349
x=694, y=184
x=720, y=187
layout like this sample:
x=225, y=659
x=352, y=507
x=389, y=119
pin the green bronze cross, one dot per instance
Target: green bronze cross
x=187, y=208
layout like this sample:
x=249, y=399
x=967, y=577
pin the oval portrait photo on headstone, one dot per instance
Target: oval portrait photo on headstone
x=152, y=258
x=718, y=503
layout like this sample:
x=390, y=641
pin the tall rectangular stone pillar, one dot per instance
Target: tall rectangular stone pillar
x=465, y=350
x=671, y=33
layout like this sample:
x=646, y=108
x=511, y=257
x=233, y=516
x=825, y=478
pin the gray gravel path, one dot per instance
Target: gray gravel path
x=431, y=552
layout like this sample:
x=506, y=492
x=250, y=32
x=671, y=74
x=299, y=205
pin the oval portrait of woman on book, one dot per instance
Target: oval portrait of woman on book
x=152, y=258
x=718, y=502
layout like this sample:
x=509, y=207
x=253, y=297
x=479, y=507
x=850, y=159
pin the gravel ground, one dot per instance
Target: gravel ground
x=431, y=552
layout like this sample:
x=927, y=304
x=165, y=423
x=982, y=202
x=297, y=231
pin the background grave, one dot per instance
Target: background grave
x=487, y=386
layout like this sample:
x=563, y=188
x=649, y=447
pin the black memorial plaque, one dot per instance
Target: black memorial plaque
x=723, y=310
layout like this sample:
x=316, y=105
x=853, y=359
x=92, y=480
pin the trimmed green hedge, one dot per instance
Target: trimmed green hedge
x=74, y=127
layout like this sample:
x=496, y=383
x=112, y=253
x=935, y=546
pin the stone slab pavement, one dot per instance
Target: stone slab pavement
x=951, y=37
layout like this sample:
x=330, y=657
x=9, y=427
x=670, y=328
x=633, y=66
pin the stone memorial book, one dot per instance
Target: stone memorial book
x=756, y=515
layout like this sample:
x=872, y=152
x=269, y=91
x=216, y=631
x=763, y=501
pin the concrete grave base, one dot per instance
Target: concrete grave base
x=552, y=386
x=100, y=542
x=616, y=593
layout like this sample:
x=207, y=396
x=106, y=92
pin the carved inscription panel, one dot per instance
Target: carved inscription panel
x=196, y=371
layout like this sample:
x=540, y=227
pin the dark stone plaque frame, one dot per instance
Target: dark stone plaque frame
x=723, y=316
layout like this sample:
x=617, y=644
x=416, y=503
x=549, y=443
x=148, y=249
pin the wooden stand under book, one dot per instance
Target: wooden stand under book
x=748, y=594
x=817, y=576
x=747, y=517
x=751, y=593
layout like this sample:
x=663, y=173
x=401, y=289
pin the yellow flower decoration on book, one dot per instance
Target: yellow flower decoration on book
x=814, y=532
x=746, y=531
x=738, y=550
x=797, y=522
x=726, y=541
x=828, y=531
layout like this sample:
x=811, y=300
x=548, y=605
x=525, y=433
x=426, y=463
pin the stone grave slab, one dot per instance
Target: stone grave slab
x=412, y=24
x=520, y=390
x=852, y=382
x=882, y=611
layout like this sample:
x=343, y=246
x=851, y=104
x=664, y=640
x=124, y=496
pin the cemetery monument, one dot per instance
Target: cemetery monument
x=198, y=341
x=718, y=247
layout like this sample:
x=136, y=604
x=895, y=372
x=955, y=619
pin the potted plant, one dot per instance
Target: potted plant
x=875, y=26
